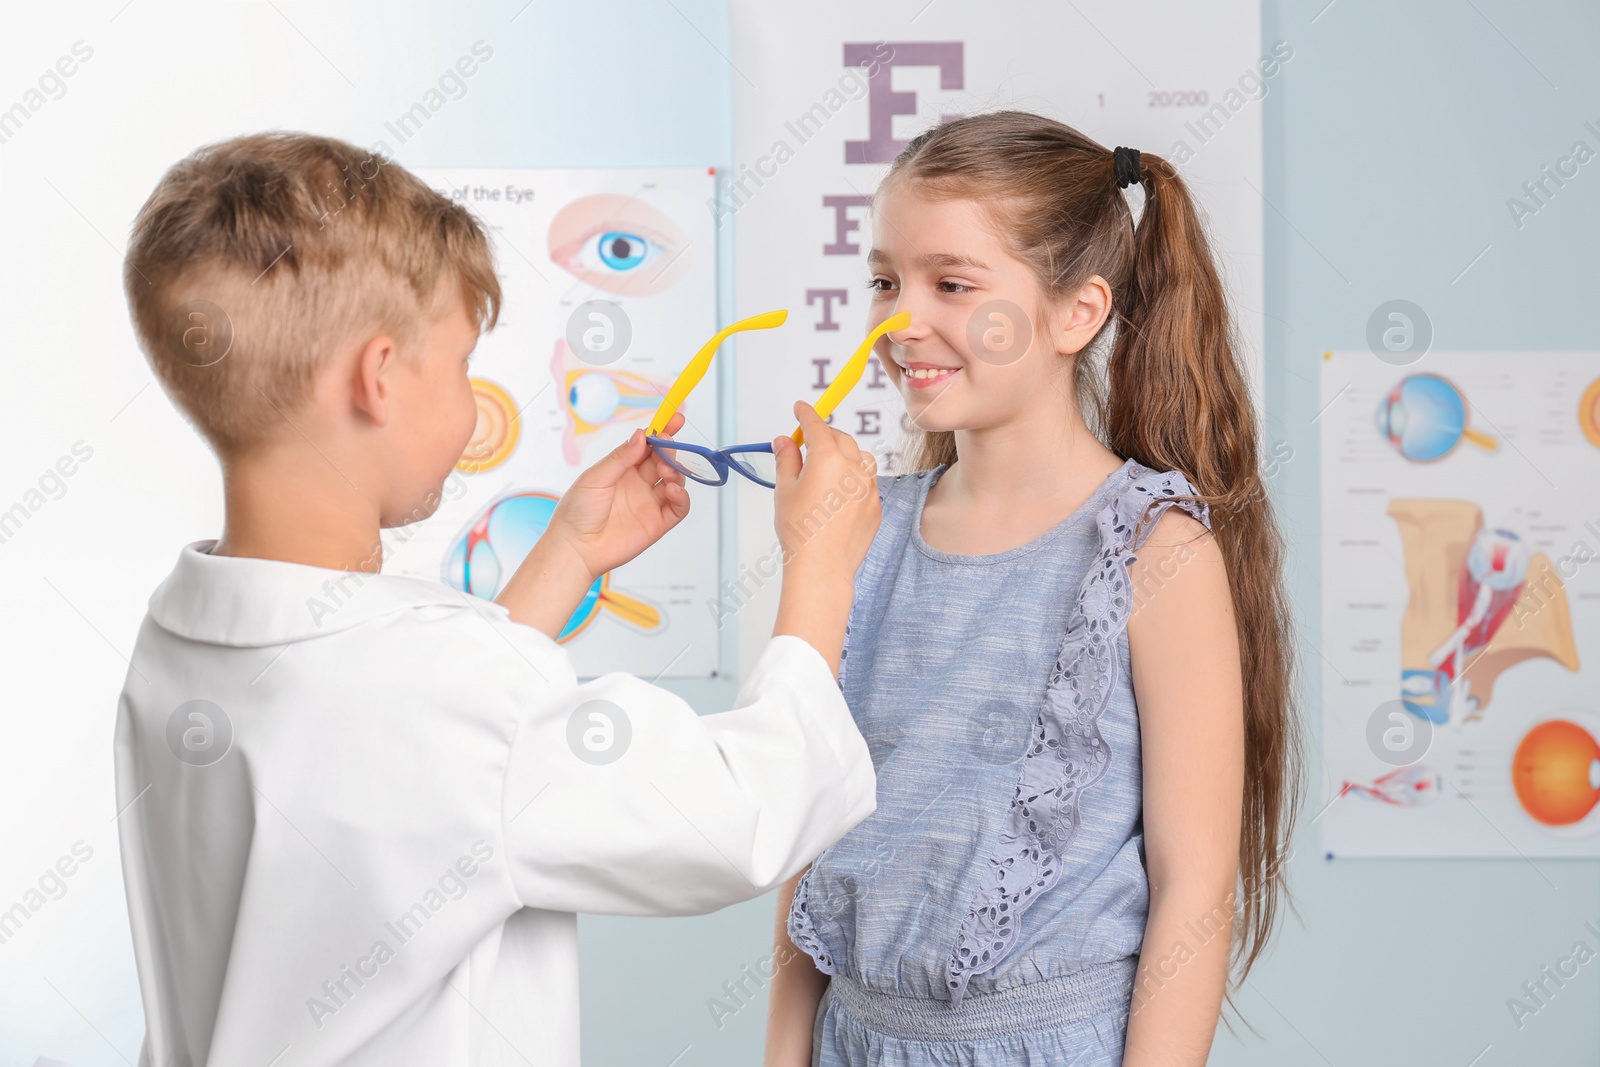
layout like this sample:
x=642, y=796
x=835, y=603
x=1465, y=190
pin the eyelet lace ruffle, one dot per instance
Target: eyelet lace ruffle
x=801, y=930
x=1067, y=754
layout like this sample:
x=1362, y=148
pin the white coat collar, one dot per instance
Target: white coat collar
x=232, y=600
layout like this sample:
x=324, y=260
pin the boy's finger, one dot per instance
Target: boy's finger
x=666, y=472
x=786, y=454
x=674, y=500
x=619, y=459
x=634, y=450
x=817, y=430
x=814, y=426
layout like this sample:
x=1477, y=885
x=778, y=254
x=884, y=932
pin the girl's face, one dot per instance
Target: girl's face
x=980, y=349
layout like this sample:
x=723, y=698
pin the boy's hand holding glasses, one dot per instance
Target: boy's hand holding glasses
x=615, y=510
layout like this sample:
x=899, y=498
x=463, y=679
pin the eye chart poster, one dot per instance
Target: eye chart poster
x=609, y=287
x=826, y=95
x=1461, y=604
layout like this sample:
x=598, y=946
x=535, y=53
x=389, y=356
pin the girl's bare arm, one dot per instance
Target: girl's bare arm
x=1184, y=652
x=796, y=991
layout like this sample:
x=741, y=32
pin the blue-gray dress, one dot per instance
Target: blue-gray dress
x=990, y=911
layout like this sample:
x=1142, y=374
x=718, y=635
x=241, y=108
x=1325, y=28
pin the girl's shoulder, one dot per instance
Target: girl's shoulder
x=1128, y=520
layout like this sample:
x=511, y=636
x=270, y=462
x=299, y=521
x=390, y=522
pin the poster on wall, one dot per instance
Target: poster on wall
x=609, y=286
x=827, y=94
x=1461, y=604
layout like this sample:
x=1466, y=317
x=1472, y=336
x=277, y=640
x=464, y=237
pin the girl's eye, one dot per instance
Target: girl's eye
x=880, y=285
x=953, y=287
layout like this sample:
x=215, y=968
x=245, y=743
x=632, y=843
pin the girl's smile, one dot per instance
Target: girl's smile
x=926, y=375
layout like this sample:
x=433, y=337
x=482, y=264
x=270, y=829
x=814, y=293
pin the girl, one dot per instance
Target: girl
x=1050, y=636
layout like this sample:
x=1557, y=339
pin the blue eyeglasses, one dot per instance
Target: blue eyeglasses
x=711, y=466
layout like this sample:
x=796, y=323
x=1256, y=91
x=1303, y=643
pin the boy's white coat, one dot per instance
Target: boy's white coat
x=383, y=750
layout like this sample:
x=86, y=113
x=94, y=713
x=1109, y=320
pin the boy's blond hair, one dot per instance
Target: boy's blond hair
x=257, y=259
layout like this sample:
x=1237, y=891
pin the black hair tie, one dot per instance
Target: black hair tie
x=1126, y=162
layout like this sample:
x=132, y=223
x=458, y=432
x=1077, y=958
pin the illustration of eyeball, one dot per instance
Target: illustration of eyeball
x=619, y=244
x=1556, y=772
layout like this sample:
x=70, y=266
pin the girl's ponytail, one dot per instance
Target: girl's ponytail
x=1178, y=400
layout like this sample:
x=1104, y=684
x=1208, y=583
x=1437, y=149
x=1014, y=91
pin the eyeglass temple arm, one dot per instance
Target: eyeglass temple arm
x=691, y=375
x=851, y=373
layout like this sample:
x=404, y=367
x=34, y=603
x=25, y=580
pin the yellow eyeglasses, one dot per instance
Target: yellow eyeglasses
x=710, y=466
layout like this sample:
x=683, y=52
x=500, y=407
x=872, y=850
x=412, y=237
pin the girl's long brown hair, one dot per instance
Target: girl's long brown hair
x=1172, y=395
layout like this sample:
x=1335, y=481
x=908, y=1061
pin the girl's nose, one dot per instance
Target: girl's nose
x=914, y=332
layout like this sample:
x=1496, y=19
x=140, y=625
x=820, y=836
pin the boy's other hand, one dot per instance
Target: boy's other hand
x=827, y=515
x=622, y=505
x=615, y=510
x=826, y=504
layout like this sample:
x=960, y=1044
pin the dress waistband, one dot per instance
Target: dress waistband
x=1051, y=1004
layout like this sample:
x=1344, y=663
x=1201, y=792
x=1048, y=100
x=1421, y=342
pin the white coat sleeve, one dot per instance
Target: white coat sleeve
x=620, y=799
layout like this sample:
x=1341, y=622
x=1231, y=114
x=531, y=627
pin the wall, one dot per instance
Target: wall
x=1392, y=144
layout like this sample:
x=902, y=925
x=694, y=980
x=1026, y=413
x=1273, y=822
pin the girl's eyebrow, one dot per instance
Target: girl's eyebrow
x=940, y=260
x=952, y=261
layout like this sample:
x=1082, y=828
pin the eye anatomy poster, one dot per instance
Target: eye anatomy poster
x=1461, y=604
x=609, y=287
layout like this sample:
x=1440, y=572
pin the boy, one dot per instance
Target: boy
x=359, y=836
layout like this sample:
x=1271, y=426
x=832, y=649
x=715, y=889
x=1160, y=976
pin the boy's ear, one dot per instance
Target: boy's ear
x=1081, y=315
x=370, y=388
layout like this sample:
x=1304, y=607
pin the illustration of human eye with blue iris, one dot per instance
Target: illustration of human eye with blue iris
x=619, y=244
